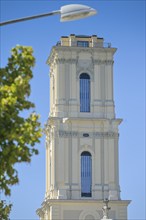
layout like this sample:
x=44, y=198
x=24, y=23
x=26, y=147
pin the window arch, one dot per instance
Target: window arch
x=86, y=174
x=84, y=92
x=89, y=217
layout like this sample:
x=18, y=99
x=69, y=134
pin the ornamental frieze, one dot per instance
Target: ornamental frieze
x=106, y=134
x=64, y=60
x=103, y=62
x=67, y=134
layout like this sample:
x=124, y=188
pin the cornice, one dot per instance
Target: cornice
x=52, y=119
x=51, y=202
x=84, y=49
x=90, y=50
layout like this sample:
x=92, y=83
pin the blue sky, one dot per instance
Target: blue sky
x=122, y=23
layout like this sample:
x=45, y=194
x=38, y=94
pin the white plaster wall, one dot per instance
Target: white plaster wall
x=66, y=68
x=66, y=147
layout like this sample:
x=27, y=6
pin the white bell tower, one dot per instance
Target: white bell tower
x=82, y=165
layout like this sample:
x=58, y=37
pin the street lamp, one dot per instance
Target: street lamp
x=67, y=13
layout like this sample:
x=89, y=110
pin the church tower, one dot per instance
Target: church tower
x=82, y=164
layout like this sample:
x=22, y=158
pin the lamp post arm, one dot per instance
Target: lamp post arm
x=29, y=18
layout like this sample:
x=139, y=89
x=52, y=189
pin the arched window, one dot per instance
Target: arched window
x=84, y=92
x=86, y=174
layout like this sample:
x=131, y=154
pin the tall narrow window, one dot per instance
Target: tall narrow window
x=86, y=174
x=84, y=92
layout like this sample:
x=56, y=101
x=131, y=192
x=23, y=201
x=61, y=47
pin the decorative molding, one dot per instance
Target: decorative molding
x=91, y=213
x=104, y=62
x=86, y=147
x=71, y=61
x=86, y=66
x=67, y=134
x=64, y=61
x=105, y=134
x=78, y=50
x=61, y=60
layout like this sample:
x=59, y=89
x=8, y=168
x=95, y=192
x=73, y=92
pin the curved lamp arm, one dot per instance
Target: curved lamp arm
x=67, y=12
x=29, y=18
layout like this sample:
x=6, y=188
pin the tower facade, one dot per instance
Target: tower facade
x=82, y=165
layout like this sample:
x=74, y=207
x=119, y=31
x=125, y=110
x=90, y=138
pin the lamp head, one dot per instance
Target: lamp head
x=76, y=11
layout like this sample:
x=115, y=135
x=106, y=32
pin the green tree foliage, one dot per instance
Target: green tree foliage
x=4, y=210
x=18, y=135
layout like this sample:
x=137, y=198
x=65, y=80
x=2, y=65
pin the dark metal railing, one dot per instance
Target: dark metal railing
x=74, y=44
